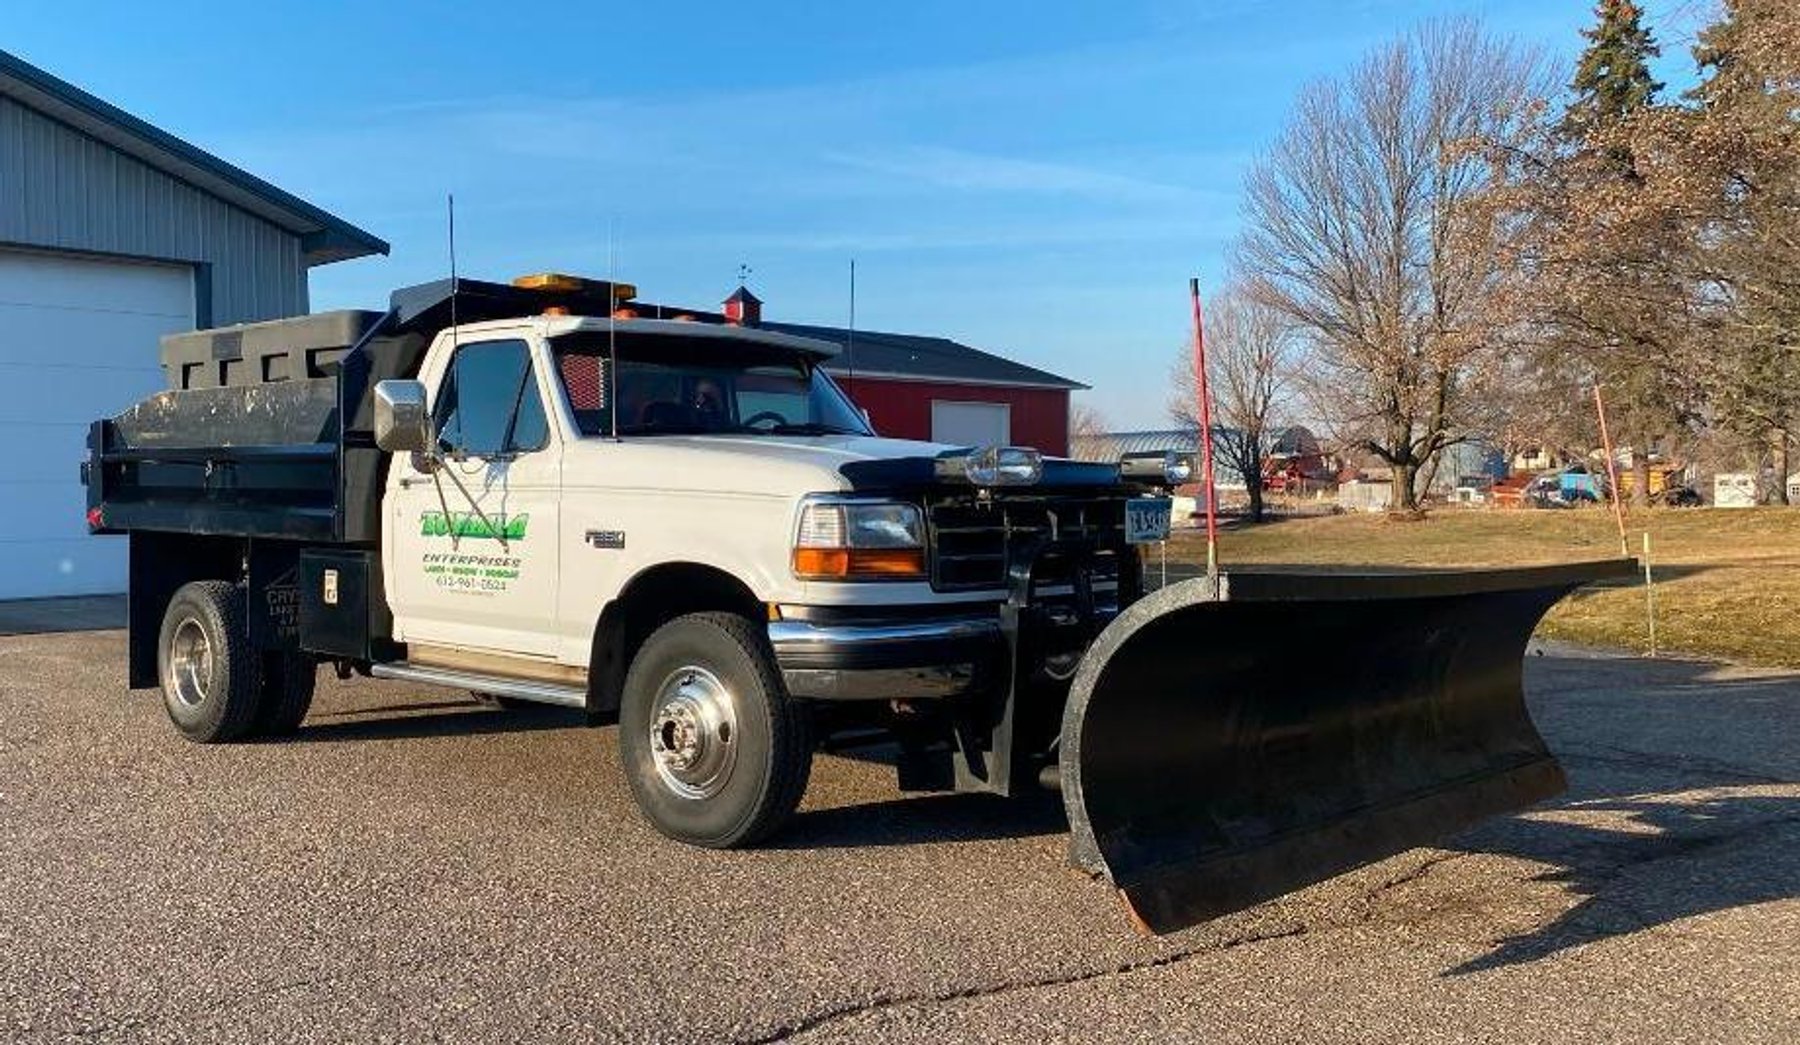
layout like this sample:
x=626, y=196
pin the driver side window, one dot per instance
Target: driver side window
x=488, y=404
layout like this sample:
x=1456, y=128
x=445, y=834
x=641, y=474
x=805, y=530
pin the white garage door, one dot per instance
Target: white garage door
x=971, y=424
x=78, y=341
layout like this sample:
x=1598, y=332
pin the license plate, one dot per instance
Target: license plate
x=1147, y=520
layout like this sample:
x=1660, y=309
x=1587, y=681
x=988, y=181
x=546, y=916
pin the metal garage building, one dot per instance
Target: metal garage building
x=113, y=233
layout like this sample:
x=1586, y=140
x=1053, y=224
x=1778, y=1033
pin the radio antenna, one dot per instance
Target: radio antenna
x=437, y=483
x=850, y=342
x=434, y=458
x=450, y=200
x=612, y=343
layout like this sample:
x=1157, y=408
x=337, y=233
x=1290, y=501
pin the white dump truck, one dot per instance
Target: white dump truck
x=549, y=491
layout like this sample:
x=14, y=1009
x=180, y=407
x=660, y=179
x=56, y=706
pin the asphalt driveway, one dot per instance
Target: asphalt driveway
x=415, y=866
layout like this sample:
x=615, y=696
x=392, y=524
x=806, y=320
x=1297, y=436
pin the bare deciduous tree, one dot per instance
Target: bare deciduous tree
x=1090, y=434
x=1249, y=349
x=1086, y=422
x=1368, y=230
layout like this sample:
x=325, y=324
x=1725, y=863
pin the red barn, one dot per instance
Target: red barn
x=917, y=387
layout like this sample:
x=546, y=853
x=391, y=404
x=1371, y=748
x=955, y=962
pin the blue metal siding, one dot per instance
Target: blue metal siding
x=63, y=190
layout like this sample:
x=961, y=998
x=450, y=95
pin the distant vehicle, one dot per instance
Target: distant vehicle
x=1546, y=492
x=1678, y=497
x=1567, y=488
x=1579, y=486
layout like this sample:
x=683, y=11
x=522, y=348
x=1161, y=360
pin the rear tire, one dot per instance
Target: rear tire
x=716, y=753
x=288, y=680
x=211, y=679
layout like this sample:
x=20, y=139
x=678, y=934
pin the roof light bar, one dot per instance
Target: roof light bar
x=562, y=283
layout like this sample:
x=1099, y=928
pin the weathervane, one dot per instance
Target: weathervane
x=744, y=271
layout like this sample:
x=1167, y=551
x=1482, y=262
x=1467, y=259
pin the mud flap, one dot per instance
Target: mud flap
x=1224, y=745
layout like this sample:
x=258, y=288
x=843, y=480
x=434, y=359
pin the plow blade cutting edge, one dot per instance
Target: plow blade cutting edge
x=1225, y=744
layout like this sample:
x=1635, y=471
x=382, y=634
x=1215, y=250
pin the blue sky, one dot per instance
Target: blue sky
x=1037, y=179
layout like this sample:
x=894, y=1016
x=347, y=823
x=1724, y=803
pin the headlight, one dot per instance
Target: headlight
x=993, y=466
x=1164, y=468
x=860, y=541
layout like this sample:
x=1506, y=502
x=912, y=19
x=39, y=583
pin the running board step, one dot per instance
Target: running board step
x=498, y=685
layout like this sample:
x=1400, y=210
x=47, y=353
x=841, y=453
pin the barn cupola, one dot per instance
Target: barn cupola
x=743, y=308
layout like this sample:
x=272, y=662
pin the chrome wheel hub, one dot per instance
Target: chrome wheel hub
x=693, y=733
x=190, y=663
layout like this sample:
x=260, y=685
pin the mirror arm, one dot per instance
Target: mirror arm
x=444, y=504
x=436, y=481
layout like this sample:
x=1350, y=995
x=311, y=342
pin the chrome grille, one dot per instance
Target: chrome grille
x=970, y=539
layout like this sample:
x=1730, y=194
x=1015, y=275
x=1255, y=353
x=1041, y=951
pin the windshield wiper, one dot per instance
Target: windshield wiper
x=811, y=428
x=667, y=428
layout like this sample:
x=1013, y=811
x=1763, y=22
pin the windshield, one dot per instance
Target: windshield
x=668, y=385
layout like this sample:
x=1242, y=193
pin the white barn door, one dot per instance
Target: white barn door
x=971, y=424
x=78, y=341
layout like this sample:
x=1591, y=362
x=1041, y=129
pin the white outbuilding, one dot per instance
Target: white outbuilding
x=1734, y=490
x=113, y=233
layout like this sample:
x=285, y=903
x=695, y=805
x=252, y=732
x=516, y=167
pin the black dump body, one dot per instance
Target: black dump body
x=268, y=428
x=221, y=455
x=259, y=464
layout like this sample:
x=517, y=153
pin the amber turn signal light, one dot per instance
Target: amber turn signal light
x=824, y=564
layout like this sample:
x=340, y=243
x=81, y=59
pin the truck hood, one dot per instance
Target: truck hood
x=831, y=450
x=784, y=466
x=767, y=465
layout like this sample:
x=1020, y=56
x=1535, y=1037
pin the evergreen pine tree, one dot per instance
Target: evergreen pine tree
x=1613, y=83
x=1612, y=79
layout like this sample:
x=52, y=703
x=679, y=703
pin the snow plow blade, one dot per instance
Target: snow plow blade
x=1225, y=745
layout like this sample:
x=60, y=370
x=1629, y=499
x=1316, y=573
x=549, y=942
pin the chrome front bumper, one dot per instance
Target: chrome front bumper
x=889, y=660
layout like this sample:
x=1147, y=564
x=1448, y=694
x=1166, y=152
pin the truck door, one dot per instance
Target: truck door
x=478, y=569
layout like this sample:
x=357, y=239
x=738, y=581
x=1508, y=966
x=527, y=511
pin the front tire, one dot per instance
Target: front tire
x=716, y=753
x=211, y=679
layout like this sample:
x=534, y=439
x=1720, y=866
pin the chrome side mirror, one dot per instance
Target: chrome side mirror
x=402, y=420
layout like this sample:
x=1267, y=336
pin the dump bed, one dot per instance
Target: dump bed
x=270, y=353
x=267, y=429
x=245, y=445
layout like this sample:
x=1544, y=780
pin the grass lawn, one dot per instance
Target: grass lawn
x=1727, y=580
